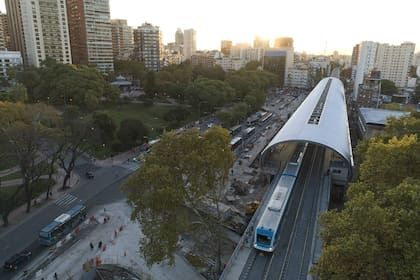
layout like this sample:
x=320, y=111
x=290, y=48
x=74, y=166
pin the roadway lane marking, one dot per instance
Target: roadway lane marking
x=65, y=200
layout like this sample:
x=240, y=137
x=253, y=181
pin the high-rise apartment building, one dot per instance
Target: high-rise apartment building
x=122, y=39
x=45, y=31
x=283, y=42
x=148, y=46
x=365, y=63
x=14, y=21
x=179, y=38
x=260, y=43
x=286, y=44
x=275, y=62
x=90, y=33
x=4, y=32
x=190, y=37
x=394, y=62
x=226, y=47
x=238, y=51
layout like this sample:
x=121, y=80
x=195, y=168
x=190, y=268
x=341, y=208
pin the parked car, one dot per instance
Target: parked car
x=15, y=261
x=89, y=175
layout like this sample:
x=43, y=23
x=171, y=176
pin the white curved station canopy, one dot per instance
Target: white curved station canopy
x=320, y=119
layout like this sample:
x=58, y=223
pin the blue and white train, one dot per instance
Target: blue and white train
x=269, y=225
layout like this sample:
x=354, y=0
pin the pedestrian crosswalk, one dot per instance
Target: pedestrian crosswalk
x=65, y=200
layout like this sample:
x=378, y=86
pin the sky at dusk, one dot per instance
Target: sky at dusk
x=315, y=25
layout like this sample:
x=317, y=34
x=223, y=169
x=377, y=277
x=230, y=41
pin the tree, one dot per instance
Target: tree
x=130, y=69
x=79, y=135
x=176, y=116
x=19, y=93
x=384, y=158
x=111, y=93
x=30, y=78
x=255, y=99
x=26, y=136
x=131, y=133
x=186, y=169
x=413, y=71
x=149, y=84
x=7, y=198
x=371, y=238
x=416, y=95
x=215, y=72
x=388, y=87
x=205, y=95
x=105, y=126
x=376, y=235
x=252, y=65
x=7, y=203
x=405, y=125
x=62, y=84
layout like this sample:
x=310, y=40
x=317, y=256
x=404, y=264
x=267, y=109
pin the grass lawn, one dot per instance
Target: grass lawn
x=152, y=117
x=6, y=164
x=12, y=176
x=18, y=174
x=40, y=187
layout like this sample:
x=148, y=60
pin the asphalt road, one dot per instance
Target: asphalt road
x=103, y=189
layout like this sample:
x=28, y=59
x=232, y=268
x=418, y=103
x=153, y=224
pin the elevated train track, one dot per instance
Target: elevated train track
x=320, y=120
x=290, y=259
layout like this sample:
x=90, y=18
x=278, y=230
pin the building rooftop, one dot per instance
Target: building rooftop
x=379, y=116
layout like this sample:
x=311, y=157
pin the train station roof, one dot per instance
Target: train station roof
x=320, y=119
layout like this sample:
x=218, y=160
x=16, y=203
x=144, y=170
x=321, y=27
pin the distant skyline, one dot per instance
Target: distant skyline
x=316, y=26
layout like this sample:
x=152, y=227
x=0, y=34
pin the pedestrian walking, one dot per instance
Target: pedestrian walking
x=91, y=246
x=100, y=244
x=55, y=275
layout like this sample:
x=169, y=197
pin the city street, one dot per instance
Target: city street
x=103, y=189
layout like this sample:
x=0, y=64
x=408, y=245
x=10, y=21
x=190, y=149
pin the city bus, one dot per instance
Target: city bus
x=236, y=142
x=266, y=117
x=249, y=132
x=235, y=130
x=62, y=225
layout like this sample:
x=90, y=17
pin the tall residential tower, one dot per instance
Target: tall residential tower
x=4, y=32
x=90, y=33
x=148, y=46
x=14, y=21
x=122, y=39
x=190, y=37
x=394, y=62
x=38, y=29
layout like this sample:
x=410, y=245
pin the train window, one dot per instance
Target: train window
x=263, y=239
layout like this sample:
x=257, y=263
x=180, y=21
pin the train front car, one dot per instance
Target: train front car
x=269, y=226
x=264, y=240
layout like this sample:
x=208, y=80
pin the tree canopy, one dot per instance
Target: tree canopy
x=131, y=133
x=376, y=235
x=62, y=84
x=182, y=170
x=388, y=87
